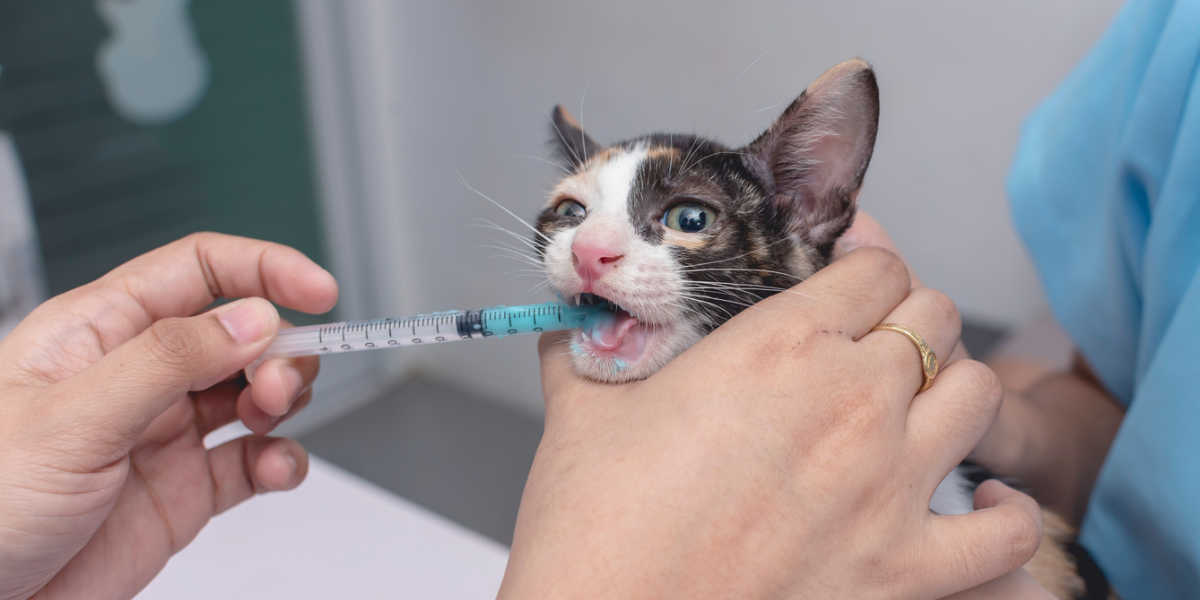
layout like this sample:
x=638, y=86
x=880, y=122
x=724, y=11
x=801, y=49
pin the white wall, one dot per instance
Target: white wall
x=477, y=81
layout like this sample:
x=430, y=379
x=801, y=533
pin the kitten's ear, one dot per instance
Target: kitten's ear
x=574, y=147
x=815, y=155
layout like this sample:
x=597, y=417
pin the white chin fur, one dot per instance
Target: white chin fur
x=661, y=346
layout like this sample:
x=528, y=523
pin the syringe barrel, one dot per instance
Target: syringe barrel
x=351, y=336
x=432, y=328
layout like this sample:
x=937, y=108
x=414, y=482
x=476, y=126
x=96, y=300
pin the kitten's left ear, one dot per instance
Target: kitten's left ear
x=815, y=155
x=574, y=146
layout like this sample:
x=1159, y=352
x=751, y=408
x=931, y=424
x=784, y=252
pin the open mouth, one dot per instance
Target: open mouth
x=619, y=335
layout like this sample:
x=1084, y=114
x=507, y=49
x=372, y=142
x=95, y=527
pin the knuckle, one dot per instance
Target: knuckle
x=886, y=263
x=980, y=380
x=942, y=305
x=202, y=236
x=173, y=342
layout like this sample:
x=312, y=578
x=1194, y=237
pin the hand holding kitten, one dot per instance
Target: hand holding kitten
x=795, y=462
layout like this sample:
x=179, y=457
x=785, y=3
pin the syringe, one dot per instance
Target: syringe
x=432, y=328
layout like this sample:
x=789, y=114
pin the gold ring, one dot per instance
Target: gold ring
x=929, y=361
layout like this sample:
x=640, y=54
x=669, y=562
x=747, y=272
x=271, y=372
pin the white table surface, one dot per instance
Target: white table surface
x=336, y=536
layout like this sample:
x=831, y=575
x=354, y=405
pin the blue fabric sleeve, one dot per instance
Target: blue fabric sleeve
x=1105, y=192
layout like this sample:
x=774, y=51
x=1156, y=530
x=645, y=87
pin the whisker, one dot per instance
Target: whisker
x=514, y=254
x=583, y=98
x=747, y=68
x=552, y=163
x=526, y=246
x=512, y=214
x=565, y=143
x=755, y=287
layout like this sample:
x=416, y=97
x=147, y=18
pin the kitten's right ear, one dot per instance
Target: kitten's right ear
x=814, y=156
x=573, y=146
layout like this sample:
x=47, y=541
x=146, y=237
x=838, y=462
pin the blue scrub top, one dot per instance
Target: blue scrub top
x=1106, y=194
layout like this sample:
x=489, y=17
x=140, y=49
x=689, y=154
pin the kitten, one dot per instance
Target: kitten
x=681, y=233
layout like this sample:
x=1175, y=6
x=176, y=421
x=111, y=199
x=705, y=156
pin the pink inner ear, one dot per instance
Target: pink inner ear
x=831, y=142
x=819, y=148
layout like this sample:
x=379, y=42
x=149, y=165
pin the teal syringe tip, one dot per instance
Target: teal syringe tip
x=538, y=318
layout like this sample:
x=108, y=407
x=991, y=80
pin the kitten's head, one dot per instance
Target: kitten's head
x=682, y=232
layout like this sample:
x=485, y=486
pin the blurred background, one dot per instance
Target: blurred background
x=354, y=131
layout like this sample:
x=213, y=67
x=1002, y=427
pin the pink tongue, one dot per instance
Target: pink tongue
x=619, y=335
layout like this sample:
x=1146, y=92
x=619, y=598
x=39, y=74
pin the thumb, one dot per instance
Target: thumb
x=864, y=231
x=1001, y=535
x=559, y=378
x=130, y=386
x=554, y=352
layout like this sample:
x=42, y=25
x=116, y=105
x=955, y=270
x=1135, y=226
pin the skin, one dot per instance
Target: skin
x=108, y=392
x=783, y=471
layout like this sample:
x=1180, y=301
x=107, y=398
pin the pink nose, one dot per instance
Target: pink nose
x=592, y=261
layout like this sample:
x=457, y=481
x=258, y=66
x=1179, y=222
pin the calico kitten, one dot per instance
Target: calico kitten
x=681, y=233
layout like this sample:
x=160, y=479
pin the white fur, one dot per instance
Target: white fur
x=953, y=495
x=614, y=181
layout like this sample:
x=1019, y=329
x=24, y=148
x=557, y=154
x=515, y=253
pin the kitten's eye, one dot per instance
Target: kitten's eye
x=571, y=208
x=688, y=217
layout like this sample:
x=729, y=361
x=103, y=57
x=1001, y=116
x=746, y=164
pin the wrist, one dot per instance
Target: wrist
x=1078, y=422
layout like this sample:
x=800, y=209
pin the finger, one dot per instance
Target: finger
x=933, y=317
x=554, y=352
x=216, y=406
x=999, y=537
x=850, y=295
x=958, y=353
x=560, y=383
x=867, y=232
x=187, y=275
x=279, y=382
x=251, y=465
x=127, y=388
x=259, y=421
x=1018, y=584
x=946, y=421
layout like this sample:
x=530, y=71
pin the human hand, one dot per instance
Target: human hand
x=866, y=231
x=1066, y=415
x=108, y=392
x=782, y=455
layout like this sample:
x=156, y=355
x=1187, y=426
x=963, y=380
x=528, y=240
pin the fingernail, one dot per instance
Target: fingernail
x=295, y=382
x=291, y=462
x=246, y=320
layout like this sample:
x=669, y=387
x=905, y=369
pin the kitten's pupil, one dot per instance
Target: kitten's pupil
x=687, y=217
